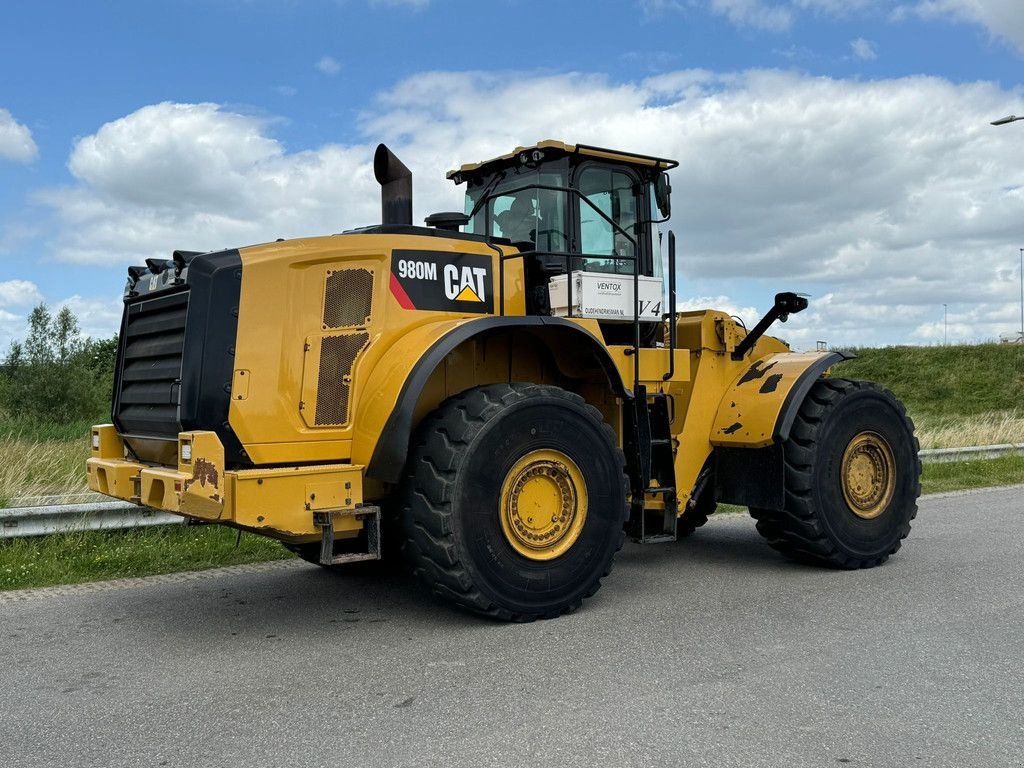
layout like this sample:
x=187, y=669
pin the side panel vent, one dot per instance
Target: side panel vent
x=348, y=296
x=337, y=355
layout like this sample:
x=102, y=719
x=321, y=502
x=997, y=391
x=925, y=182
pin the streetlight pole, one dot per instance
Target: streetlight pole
x=1005, y=121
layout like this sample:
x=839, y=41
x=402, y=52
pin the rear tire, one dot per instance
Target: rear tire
x=513, y=501
x=852, y=478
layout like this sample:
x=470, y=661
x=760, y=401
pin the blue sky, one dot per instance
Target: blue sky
x=840, y=148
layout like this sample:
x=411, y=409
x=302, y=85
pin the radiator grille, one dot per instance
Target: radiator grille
x=150, y=380
x=348, y=297
x=337, y=354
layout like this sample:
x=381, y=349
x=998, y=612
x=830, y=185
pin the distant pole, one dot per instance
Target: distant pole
x=1006, y=121
x=945, y=327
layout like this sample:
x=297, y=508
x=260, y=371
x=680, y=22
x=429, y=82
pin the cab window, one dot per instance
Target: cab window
x=525, y=214
x=611, y=193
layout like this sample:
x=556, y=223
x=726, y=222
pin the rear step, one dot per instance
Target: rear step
x=371, y=523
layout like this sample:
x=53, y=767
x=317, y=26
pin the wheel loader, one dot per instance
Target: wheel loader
x=499, y=398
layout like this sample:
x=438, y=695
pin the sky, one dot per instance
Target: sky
x=838, y=148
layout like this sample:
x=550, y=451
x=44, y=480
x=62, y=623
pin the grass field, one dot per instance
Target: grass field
x=31, y=467
x=71, y=558
x=957, y=396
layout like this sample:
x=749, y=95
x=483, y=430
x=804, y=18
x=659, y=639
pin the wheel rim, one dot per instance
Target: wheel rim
x=868, y=475
x=543, y=504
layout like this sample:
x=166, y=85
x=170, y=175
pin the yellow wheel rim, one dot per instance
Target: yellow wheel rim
x=543, y=504
x=868, y=475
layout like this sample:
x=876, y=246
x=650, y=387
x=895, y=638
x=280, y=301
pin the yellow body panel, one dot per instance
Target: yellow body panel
x=276, y=501
x=280, y=325
x=751, y=405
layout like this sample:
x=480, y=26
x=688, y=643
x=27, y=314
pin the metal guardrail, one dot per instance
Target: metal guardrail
x=40, y=519
x=975, y=453
x=16, y=522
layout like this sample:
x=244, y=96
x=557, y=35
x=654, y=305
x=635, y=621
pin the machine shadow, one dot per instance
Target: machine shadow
x=302, y=599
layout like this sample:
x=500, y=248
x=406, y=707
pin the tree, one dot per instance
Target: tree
x=55, y=375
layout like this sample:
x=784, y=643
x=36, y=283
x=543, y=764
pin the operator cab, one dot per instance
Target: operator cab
x=573, y=208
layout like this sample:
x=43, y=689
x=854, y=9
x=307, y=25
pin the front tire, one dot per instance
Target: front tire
x=513, y=501
x=852, y=478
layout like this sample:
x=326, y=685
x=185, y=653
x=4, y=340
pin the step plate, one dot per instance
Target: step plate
x=370, y=516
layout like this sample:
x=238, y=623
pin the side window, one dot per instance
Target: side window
x=534, y=215
x=610, y=193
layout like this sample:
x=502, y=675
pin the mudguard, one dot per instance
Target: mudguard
x=384, y=415
x=759, y=407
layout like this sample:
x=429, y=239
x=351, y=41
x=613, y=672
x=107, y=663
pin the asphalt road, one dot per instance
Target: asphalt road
x=713, y=651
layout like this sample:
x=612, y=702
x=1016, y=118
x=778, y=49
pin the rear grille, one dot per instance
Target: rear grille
x=337, y=355
x=348, y=297
x=150, y=382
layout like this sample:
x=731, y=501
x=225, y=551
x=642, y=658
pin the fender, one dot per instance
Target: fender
x=384, y=417
x=760, y=406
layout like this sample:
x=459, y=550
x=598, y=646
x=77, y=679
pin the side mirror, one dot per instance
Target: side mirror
x=663, y=194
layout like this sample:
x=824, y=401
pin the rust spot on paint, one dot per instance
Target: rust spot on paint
x=204, y=472
x=732, y=429
x=756, y=372
x=771, y=383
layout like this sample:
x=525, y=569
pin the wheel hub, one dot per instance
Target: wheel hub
x=543, y=504
x=868, y=475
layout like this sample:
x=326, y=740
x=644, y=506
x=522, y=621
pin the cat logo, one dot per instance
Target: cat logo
x=466, y=284
x=442, y=281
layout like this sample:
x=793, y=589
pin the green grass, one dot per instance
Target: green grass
x=963, y=475
x=30, y=429
x=945, y=381
x=72, y=558
x=30, y=467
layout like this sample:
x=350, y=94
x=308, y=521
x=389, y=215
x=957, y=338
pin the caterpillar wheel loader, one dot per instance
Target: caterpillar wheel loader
x=502, y=395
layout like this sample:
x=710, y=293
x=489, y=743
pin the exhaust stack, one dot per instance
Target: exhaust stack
x=395, y=187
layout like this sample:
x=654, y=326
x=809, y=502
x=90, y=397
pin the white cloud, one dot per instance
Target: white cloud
x=882, y=199
x=16, y=142
x=754, y=13
x=98, y=318
x=195, y=176
x=768, y=15
x=865, y=50
x=749, y=315
x=328, y=65
x=19, y=293
x=1002, y=18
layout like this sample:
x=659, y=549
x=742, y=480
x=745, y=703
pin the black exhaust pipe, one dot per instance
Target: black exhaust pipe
x=395, y=187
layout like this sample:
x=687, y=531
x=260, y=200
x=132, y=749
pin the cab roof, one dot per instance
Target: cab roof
x=552, y=149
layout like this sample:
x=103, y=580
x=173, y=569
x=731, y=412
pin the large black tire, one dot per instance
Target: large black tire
x=452, y=500
x=856, y=523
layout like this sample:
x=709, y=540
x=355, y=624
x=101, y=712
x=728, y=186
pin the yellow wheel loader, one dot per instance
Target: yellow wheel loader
x=500, y=396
